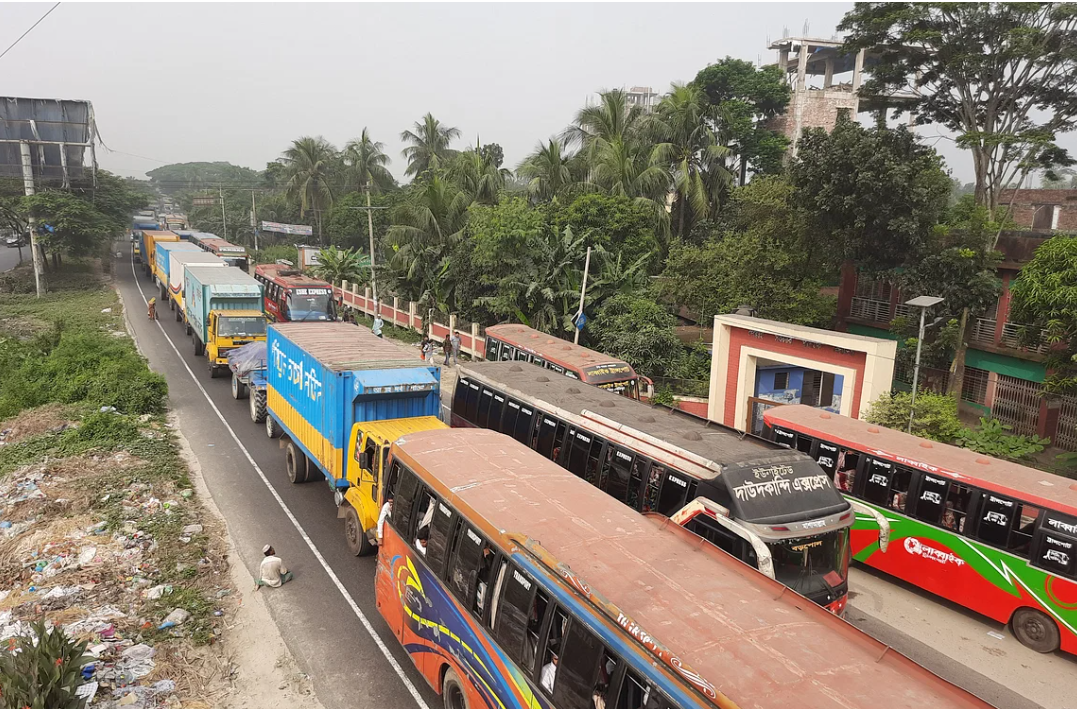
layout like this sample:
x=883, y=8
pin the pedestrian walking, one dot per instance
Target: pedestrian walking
x=428, y=349
x=151, y=311
x=272, y=572
x=455, y=348
x=446, y=347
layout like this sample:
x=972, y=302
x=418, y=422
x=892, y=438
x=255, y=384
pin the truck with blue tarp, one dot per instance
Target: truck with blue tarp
x=340, y=395
x=249, y=377
x=223, y=311
x=161, y=263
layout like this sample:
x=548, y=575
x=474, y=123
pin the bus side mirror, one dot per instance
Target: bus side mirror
x=364, y=460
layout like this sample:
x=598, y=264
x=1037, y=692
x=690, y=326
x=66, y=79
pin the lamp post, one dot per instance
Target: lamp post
x=923, y=302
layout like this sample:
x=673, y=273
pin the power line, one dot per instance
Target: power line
x=29, y=30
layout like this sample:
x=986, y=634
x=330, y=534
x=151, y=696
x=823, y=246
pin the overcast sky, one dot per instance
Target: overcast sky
x=237, y=82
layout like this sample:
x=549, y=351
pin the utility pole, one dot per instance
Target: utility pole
x=224, y=224
x=28, y=187
x=370, y=230
x=583, y=294
x=254, y=220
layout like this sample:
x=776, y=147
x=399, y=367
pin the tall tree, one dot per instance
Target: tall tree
x=1002, y=76
x=743, y=98
x=429, y=145
x=548, y=171
x=365, y=162
x=477, y=175
x=691, y=151
x=310, y=164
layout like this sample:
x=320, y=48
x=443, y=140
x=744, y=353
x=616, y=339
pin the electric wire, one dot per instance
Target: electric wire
x=12, y=46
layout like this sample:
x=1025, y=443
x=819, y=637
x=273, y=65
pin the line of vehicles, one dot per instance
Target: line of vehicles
x=532, y=563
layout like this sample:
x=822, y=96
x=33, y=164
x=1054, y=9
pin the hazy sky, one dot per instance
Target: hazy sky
x=237, y=82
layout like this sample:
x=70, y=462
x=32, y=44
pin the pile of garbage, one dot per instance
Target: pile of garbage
x=63, y=560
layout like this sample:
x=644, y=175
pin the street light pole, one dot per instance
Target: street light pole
x=923, y=302
x=583, y=294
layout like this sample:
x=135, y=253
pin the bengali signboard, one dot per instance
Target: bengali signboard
x=294, y=229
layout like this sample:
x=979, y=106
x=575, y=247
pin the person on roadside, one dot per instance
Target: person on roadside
x=446, y=347
x=455, y=348
x=272, y=572
x=376, y=327
x=151, y=312
x=427, y=347
x=386, y=512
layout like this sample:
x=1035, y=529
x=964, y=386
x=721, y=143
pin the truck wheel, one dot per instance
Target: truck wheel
x=273, y=429
x=1035, y=629
x=171, y=304
x=199, y=349
x=239, y=389
x=354, y=534
x=187, y=328
x=214, y=371
x=179, y=315
x=452, y=691
x=295, y=462
x=258, y=406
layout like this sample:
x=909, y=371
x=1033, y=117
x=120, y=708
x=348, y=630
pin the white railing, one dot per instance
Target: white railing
x=871, y=309
x=1012, y=334
x=983, y=331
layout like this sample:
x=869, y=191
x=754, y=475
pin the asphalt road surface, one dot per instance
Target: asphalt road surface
x=9, y=257
x=327, y=615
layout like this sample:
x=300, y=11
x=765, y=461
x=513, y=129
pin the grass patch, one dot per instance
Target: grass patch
x=400, y=334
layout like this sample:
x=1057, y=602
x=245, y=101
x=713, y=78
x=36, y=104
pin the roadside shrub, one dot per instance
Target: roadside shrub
x=992, y=438
x=936, y=415
x=42, y=670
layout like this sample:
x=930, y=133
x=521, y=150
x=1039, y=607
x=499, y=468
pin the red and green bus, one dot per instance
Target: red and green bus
x=513, y=584
x=522, y=343
x=993, y=536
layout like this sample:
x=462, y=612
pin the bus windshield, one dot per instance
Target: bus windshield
x=813, y=566
x=238, y=262
x=629, y=388
x=242, y=326
x=308, y=304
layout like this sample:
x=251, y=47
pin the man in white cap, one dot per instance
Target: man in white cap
x=272, y=571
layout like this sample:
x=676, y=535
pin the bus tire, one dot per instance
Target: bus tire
x=296, y=465
x=258, y=406
x=1035, y=630
x=239, y=389
x=273, y=429
x=453, y=692
x=354, y=534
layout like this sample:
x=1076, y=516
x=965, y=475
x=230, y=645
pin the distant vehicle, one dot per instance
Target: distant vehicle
x=292, y=297
x=14, y=240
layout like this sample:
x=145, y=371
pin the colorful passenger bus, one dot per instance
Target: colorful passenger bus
x=511, y=583
x=291, y=296
x=522, y=343
x=995, y=537
x=772, y=508
x=231, y=254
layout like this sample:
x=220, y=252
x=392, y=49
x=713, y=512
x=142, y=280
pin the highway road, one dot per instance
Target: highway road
x=328, y=618
x=9, y=257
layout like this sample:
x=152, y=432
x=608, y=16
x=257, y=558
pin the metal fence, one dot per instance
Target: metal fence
x=1066, y=437
x=983, y=331
x=871, y=309
x=1017, y=403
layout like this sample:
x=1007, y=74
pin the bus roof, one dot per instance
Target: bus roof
x=225, y=245
x=289, y=276
x=1000, y=476
x=343, y=347
x=749, y=637
x=554, y=349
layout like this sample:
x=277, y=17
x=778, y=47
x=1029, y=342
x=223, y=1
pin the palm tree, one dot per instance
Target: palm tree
x=689, y=149
x=365, y=162
x=336, y=265
x=548, y=171
x=424, y=233
x=429, y=145
x=609, y=121
x=309, y=167
x=478, y=176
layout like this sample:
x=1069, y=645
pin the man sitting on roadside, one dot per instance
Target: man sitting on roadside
x=272, y=572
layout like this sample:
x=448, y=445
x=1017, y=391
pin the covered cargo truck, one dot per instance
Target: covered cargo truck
x=223, y=311
x=341, y=396
x=162, y=264
x=150, y=239
x=177, y=260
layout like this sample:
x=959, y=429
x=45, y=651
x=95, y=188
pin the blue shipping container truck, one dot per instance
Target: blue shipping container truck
x=160, y=255
x=223, y=308
x=326, y=377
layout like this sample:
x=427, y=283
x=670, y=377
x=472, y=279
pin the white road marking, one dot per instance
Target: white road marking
x=295, y=522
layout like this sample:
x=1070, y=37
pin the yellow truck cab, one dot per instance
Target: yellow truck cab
x=369, y=444
x=229, y=329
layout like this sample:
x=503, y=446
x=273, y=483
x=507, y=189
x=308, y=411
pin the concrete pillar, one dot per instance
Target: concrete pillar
x=344, y=286
x=412, y=307
x=799, y=96
x=355, y=289
x=858, y=78
x=396, y=303
x=1002, y=315
x=828, y=77
x=452, y=323
x=475, y=341
x=366, y=292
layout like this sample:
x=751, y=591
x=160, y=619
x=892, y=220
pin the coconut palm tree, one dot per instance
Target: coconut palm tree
x=689, y=148
x=612, y=119
x=310, y=165
x=336, y=265
x=549, y=171
x=429, y=147
x=365, y=162
x=478, y=176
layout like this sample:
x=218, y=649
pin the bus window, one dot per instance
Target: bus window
x=617, y=473
x=1056, y=553
x=1021, y=539
x=492, y=346
x=877, y=486
x=717, y=535
x=483, y=416
x=674, y=494
x=785, y=438
x=957, y=505
x=555, y=367
x=508, y=352
x=580, y=669
x=522, y=356
x=524, y=424
x=471, y=408
x=538, y=361
x=496, y=407
x=577, y=456
x=508, y=420
x=930, y=501
x=459, y=397
x=547, y=429
x=645, y=469
x=827, y=456
x=551, y=654
x=899, y=489
x=514, y=608
x=404, y=501
x=469, y=568
x=638, y=693
x=440, y=531
x=995, y=519
x=804, y=443
x=558, y=442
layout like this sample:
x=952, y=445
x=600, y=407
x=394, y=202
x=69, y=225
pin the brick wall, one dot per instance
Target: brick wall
x=1027, y=202
x=820, y=111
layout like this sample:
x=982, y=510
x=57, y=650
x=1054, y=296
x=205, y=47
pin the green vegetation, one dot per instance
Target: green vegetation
x=992, y=438
x=42, y=670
